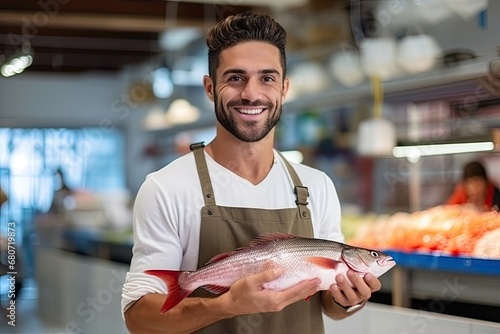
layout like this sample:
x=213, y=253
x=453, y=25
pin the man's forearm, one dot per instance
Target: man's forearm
x=188, y=316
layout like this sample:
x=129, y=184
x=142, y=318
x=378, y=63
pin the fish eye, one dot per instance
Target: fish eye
x=374, y=253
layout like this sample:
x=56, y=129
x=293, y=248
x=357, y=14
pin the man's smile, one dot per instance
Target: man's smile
x=250, y=111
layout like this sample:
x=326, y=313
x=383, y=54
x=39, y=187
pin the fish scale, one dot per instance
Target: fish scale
x=300, y=258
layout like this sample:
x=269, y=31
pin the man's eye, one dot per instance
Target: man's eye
x=235, y=78
x=269, y=79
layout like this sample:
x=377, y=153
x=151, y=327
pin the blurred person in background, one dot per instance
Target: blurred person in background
x=476, y=189
x=61, y=192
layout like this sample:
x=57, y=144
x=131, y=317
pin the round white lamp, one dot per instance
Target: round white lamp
x=418, y=53
x=181, y=111
x=378, y=57
x=345, y=67
x=309, y=77
x=376, y=137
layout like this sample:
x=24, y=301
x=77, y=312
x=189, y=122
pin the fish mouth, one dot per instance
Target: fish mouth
x=386, y=262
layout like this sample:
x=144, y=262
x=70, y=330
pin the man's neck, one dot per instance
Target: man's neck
x=251, y=161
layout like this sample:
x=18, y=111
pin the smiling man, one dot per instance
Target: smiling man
x=219, y=197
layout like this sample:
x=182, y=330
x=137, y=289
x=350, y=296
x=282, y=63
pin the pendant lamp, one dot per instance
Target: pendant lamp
x=376, y=135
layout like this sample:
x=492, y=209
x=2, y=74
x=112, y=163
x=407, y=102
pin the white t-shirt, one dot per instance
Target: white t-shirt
x=167, y=214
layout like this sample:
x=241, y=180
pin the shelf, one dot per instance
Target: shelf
x=444, y=83
x=441, y=262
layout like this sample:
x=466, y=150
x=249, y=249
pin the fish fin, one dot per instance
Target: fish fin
x=324, y=262
x=217, y=289
x=175, y=292
x=220, y=257
x=269, y=237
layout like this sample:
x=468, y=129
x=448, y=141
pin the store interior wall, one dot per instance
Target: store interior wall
x=66, y=100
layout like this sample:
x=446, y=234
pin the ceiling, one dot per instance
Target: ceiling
x=82, y=35
x=97, y=35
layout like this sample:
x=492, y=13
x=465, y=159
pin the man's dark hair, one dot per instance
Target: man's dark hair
x=244, y=27
x=473, y=169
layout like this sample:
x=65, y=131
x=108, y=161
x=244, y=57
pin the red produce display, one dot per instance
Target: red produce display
x=450, y=230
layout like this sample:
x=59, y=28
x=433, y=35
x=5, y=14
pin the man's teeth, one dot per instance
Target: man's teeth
x=251, y=111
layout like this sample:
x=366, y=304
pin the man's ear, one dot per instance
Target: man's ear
x=208, y=84
x=286, y=85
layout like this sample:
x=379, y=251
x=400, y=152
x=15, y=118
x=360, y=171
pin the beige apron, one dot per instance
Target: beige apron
x=224, y=229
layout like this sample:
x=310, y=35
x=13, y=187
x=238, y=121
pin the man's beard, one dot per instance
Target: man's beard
x=251, y=132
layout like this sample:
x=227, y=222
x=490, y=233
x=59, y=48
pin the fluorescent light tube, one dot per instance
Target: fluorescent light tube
x=440, y=149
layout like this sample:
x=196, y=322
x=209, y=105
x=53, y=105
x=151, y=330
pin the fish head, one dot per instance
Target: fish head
x=366, y=261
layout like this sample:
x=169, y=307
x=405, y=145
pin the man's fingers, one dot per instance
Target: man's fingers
x=338, y=295
x=350, y=295
x=364, y=286
x=267, y=276
x=373, y=282
x=359, y=288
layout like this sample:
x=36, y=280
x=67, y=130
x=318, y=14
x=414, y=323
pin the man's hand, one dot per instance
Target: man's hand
x=362, y=290
x=247, y=296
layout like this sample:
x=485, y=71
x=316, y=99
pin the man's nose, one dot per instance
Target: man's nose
x=251, y=91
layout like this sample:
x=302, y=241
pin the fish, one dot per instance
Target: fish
x=301, y=259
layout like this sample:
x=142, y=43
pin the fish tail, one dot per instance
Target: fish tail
x=175, y=293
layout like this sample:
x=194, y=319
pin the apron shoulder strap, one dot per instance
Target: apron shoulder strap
x=201, y=166
x=299, y=190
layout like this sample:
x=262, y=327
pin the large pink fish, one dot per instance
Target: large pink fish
x=301, y=258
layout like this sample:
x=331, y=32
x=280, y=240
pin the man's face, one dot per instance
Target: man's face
x=248, y=90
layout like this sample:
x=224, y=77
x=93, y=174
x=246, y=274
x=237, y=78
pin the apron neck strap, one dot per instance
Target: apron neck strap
x=201, y=166
x=299, y=190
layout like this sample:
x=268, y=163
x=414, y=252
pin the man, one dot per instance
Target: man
x=476, y=189
x=219, y=197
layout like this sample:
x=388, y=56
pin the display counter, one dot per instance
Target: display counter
x=439, y=279
x=441, y=262
x=448, y=258
x=81, y=294
x=445, y=278
x=105, y=244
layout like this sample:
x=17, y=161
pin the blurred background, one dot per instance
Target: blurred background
x=389, y=98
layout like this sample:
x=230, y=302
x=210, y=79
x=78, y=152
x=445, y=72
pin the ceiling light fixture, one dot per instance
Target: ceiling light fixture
x=181, y=111
x=376, y=135
x=16, y=65
x=413, y=153
x=163, y=86
x=178, y=38
x=155, y=119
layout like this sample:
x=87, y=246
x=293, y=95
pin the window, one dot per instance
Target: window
x=90, y=158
